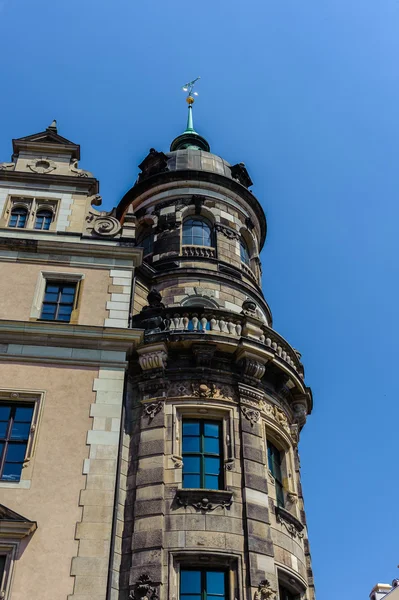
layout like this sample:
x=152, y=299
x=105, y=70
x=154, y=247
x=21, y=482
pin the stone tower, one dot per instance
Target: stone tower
x=210, y=501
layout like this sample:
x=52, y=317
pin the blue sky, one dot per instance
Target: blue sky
x=306, y=93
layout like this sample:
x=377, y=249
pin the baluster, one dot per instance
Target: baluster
x=284, y=355
x=213, y=323
x=231, y=327
x=268, y=342
x=262, y=338
x=186, y=321
x=274, y=346
x=238, y=329
x=176, y=320
x=279, y=350
x=204, y=322
x=194, y=321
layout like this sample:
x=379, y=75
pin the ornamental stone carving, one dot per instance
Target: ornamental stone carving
x=144, y=589
x=215, y=499
x=7, y=166
x=42, y=165
x=153, y=356
x=251, y=368
x=106, y=226
x=152, y=409
x=265, y=591
x=251, y=414
x=231, y=234
x=73, y=167
x=203, y=390
x=291, y=524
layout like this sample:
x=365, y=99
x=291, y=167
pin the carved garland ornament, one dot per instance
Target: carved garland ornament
x=290, y=527
x=144, y=589
x=204, y=504
x=265, y=591
x=43, y=165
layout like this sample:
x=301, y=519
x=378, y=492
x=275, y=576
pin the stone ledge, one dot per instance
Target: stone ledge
x=204, y=500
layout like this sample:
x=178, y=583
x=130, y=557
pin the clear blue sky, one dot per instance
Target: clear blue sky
x=306, y=93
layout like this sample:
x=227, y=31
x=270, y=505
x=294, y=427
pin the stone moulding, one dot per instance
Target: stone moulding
x=204, y=500
x=291, y=523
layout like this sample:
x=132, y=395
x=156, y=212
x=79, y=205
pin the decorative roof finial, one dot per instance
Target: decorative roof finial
x=190, y=138
x=53, y=126
x=190, y=101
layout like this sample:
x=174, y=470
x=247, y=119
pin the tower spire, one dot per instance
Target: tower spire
x=190, y=138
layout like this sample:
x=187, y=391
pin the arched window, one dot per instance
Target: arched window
x=43, y=219
x=244, y=253
x=197, y=232
x=18, y=217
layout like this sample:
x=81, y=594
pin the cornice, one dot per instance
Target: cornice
x=200, y=176
x=82, y=248
x=84, y=185
x=43, y=333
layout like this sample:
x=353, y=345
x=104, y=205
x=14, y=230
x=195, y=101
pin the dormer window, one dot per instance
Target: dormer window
x=43, y=219
x=197, y=232
x=18, y=217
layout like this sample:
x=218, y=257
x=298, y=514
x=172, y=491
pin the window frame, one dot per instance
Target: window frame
x=278, y=477
x=8, y=441
x=244, y=250
x=147, y=236
x=203, y=576
x=203, y=221
x=32, y=205
x=231, y=563
x=50, y=214
x=202, y=454
x=64, y=276
x=203, y=411
x=21, y=208
x=35, y=399
x=59, y=303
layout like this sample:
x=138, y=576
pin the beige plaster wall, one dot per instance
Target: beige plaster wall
x=43, y=569
x=21, y=279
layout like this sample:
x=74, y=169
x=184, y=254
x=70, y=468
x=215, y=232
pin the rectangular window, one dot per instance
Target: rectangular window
x=59, y=300
x=199, y=584
x=202, y=454
x=15, y=425
x=274, y=457
x=3, y=559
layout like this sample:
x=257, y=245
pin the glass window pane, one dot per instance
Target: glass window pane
x=16, y=452
x=215, y=582
x=68, y=290
x=212, y=466
x=191, y=464
x=190, y=582
x=211, y=429
x=191, y=481
x=4, y=412
x=3, y=428
x=1, y=449
x=211, y=445
x=12, y=472
x=20, y=431
x=191, y=428
x=191, y=444
x=50, y=297
x=52, y=288
x=64, y=318
x=65, y=309
x=24, y=413
x=211, y=482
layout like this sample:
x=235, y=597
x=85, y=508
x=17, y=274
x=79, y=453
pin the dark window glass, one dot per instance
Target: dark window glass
x=286, y=594
x=43, y=219
x=147, y=243
x=18, y=217
x=202, y=455
x=274, y=457
x=58, y=301
x=244, y=253
x=198, y=584
x=15, y=425
x=3, y=559
x=197, y=232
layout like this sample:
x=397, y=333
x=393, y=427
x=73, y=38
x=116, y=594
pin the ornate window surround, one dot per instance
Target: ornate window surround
x=32, y=204
x=280, y=441
x=43, y=278
x=231, y=563
x=37, y=399
x=198, y=411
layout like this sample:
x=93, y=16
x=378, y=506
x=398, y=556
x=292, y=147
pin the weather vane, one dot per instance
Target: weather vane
x=189, y=88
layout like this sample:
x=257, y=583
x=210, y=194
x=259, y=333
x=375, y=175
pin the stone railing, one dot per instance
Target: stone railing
x=181, y=319
x=199, y=251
